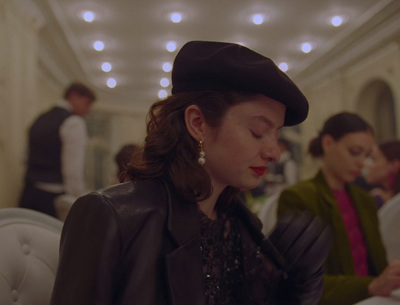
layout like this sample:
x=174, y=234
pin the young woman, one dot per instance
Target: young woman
x=175, y=233
x=356, y=267
x=384, y=170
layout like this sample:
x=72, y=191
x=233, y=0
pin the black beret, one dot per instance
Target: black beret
x=222, y=66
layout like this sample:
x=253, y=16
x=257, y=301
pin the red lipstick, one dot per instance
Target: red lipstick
x=260, y=170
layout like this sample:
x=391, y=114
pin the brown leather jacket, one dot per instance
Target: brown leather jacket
x=135, y=243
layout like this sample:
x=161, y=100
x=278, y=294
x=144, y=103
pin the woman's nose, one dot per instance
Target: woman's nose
x=363, y=162
x=271, y=152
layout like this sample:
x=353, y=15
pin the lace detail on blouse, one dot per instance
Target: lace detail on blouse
x=221, y=259
x=229, y=276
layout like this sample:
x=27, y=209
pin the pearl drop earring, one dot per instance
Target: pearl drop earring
x=202, y=154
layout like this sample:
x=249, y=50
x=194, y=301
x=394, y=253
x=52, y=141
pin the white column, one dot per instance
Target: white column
x=20, y=21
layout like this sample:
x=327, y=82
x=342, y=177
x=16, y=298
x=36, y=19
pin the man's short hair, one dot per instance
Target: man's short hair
x=80, y=89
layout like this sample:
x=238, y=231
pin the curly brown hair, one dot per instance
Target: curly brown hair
x=170, y=152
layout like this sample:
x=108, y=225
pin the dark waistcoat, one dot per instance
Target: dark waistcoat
x=44, y=160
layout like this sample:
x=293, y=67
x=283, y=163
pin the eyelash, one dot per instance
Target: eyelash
x=355, y=153
x=255, y=135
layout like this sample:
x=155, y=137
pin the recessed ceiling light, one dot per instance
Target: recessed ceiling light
x=98, y=45
x=171, y=46
x=106, y=66
x=162, y=93
x=164, y=82
x=88, y=16
x=257, y=18
x=111, y=82
x=306, y=47
x=337, y=21
x=176, y=17
x=283, y=66
x=167, y=67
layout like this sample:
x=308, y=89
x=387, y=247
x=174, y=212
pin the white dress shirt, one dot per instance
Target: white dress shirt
x=73, y=137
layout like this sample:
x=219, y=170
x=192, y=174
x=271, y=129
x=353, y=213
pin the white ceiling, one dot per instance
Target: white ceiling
x=135, y=33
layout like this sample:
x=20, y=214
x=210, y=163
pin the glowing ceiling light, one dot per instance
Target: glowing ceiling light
x=306, y=47
x=167, y=67
x=88, y=16
x=176, y=17
x=283, y=66
x=162, y=93
x=164, y=82
x=111, y=82
x=106, y=66
x=337, y=21
x=257, y=18
x=98, y=45
x=171, y=46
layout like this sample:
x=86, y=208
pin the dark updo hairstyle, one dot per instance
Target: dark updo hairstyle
x=169, y=150
x=124, y=156
x=391, y=151
x=337, y=126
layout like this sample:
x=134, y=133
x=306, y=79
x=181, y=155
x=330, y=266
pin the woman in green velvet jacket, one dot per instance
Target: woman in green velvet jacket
x=357, y=266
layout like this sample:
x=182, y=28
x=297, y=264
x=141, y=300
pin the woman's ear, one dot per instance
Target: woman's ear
x=195, y=122
x=326, y=142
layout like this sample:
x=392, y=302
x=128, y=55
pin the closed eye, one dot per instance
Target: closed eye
x=355, y=152
x=256, y=135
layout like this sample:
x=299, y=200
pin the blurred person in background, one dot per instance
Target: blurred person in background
x=357, y=267
x=56, y=151
x=384, y=170
x=123, y=158
x=282, y=173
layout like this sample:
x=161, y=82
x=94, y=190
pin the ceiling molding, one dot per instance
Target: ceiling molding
x=50, y=67
x=381, y=28
x=55, y=52
x=30, y=11
x=70, y=37
x=136, y=37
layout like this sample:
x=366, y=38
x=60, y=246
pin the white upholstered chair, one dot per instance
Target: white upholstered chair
x=29, y=242
x=389, y=218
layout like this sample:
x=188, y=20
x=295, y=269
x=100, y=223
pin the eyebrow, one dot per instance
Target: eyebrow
x=265, y=120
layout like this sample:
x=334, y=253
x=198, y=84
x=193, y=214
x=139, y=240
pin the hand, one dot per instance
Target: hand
x=387, y=281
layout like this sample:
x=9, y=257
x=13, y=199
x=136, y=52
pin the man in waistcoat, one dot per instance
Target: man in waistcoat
x=56, y=151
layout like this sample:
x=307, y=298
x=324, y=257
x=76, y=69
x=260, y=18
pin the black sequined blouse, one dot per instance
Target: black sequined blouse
x=234, y=269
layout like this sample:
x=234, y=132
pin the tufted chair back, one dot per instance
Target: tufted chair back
x=29, y=242
x=389, y=219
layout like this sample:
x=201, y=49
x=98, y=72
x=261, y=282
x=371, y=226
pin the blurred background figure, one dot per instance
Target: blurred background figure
x=283, y=173
x=279, y=175
x=357, y=266
x=384, y=170
x=123, y=159
x=56, y=151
